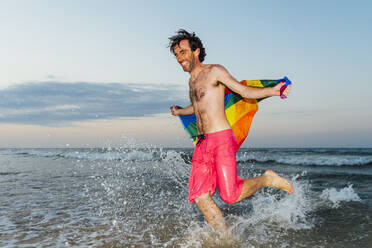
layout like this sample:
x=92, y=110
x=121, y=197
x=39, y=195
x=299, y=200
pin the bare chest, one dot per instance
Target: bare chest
x=197, y=91
x=200, y=87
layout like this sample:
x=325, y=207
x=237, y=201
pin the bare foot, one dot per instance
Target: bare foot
x=276, y=181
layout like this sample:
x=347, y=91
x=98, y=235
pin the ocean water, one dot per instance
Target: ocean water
x=137, y=197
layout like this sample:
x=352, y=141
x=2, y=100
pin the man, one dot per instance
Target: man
x=214, y=158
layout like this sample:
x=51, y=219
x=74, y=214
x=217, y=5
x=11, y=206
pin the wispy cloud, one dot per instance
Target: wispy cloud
x=56, y=103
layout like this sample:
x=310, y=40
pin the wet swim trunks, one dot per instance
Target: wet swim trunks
x=214, y=165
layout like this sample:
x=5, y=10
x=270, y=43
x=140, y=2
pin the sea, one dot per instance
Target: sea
x=136, y=196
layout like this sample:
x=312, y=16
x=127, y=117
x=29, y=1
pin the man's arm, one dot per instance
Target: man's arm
x=248, y=92
x=177, y=110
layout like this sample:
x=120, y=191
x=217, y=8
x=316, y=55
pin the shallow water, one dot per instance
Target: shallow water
x=137, y=197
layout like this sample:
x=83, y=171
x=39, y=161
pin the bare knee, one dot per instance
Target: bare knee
x=211, y=212
x=204, y=201
x=208, y=207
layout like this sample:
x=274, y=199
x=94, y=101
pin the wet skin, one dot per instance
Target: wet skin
x=207, y=90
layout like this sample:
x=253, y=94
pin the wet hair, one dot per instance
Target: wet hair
x=194, y=42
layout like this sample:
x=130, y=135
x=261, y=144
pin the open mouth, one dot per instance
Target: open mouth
x=184, y=63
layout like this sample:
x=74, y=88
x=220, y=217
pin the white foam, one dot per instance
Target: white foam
x=175, y=167
x=329, y=160
x=335, y=196
x=274, y=214
x=303, y=159
x=34, y=152
x=203, y=236
x=288, y=211
x=90, y=154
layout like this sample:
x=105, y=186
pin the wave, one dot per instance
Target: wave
x=335, y=196
x=307, y=159
x=300, y=157
x=89, y=154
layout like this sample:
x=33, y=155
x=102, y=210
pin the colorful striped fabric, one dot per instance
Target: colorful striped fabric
x=239, y=111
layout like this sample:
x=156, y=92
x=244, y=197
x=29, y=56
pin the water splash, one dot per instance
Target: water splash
x=274, y=215
x=202, y=235
x=335, y=196
x=141, y=201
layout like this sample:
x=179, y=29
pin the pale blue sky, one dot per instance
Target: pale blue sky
x=87, y=73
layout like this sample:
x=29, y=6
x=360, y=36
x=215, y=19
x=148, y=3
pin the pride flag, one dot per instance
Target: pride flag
x=239, y=111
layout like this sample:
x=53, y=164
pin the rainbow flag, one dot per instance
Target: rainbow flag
x=239, y=111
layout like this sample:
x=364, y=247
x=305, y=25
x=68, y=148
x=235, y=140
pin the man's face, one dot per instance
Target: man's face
x=185, y=56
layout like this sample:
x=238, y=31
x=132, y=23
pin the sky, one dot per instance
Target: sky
x=86, y=73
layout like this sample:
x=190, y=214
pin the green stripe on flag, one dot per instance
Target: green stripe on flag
x=233, y=99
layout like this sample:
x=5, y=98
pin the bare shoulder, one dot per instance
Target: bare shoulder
x=222, y=75
x=217, y=67
x=215, y=74
x=216, y=70
x=219, y=70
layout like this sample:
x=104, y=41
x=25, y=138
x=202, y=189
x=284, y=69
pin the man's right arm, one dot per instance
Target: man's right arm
x=177, y=110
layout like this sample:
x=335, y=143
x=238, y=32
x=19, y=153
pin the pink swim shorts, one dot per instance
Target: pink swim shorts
x=214, y=165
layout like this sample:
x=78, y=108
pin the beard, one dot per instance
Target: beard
x=190, y=65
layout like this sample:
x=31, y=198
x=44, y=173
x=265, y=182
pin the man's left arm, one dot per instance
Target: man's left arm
x=249, y=92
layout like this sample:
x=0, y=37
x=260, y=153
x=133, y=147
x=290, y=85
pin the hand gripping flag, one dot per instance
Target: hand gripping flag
x=239, y=111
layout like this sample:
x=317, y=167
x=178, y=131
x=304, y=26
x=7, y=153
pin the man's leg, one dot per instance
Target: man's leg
x=268, y=179
x=211, y=212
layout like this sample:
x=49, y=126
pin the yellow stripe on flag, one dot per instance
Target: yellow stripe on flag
x=239, y=109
